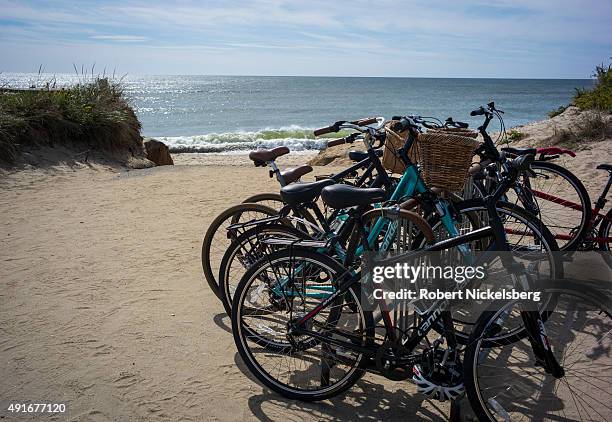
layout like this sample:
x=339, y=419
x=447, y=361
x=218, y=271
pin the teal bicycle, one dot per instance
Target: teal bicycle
x=389, y=229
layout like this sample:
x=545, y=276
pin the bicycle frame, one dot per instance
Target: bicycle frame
x=596, y=217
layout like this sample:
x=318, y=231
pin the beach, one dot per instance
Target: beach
x=103, y=305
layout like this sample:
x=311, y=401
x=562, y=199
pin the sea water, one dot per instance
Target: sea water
x=225, y=114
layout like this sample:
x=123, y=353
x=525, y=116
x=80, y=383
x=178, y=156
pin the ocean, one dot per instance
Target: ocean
x=230, y=114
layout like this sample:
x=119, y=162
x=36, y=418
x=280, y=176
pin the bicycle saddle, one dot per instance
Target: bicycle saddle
x=298, y=193
x=607, y=167
x=293, y=174
x=345, y=196
x=362, y=155
x=520, y=151
x=261, y=156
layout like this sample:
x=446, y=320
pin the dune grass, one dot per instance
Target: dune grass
x=92, y=113
x=600, y=97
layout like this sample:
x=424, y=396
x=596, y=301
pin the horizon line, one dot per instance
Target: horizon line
x=127, y=74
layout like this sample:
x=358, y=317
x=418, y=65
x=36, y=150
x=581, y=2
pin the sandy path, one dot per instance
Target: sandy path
x=103, y=304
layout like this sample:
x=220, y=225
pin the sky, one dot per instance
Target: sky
x=415, y=38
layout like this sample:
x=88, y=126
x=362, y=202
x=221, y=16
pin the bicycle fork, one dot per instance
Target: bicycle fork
x=536, y=332
x=530, y=314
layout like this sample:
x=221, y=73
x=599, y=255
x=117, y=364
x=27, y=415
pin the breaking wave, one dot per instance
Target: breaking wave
x=294, y=137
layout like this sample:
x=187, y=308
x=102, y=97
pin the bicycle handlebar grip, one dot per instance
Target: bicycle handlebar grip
x=478, y=112
x=335, y=142
x=364, y=122
x=329, y=129
x=324, y=130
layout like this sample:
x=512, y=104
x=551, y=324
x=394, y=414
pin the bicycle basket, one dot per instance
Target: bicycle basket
x=445, y=159
x=391, y=160
x=456, y=131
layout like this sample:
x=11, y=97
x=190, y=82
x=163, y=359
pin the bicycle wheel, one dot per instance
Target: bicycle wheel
x=531, y=243
x=299, y=366
x=579, y=334
x=562, y=203
x=272, y=200
x=245, y=251
x=216, y=242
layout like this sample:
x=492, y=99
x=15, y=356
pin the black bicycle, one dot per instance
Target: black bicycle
x=311, y=349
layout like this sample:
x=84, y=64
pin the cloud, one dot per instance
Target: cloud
x=120, y=38
x=496, y=37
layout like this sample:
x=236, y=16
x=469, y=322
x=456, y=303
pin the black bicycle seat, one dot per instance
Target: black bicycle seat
x=520, y=151
x=298, y=193
x=345, y=196
x=362, y=155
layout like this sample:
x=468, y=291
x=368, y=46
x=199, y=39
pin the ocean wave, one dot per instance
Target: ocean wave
x=294, y=137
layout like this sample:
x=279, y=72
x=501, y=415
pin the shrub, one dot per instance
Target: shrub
x=600, y=97
x=515, y=135
x=94, y=113
x=557, y=111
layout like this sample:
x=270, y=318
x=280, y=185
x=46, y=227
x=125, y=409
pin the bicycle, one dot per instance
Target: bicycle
x=320, y=348
x=264, y=205
x=533, y=189
x=251, y=245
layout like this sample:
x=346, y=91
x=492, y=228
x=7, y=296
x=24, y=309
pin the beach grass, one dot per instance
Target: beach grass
x=93, y=113
x=600, y=97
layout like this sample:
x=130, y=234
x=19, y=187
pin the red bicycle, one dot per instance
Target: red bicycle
x=560, y=200
x=549, y=191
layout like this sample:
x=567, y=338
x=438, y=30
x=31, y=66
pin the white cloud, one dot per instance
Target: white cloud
x=121, y=38
x=415, y=37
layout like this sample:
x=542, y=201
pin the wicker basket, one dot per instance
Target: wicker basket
x=445, y=159
x=393, y=142
x=457, y=131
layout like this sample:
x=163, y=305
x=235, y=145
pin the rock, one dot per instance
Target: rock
x=337, y=156
x=158, y=152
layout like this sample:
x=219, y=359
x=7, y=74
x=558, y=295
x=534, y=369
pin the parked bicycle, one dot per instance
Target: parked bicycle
x=315, y=349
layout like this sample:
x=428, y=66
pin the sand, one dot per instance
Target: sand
x=103, y=305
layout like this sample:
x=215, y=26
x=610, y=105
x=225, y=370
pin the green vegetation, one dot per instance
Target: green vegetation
x=557, y=111
x=597, y=98
x=515, y=135
x=93, y=113
x=600, y=97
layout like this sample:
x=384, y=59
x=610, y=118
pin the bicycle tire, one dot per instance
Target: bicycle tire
x=269, y=199
x=228, y=257
x=241, y=332
x=474, y=205
x=480, y=349
x=231, y=215
x=585, y=202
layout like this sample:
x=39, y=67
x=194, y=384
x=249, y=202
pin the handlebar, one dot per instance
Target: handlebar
x=489, y=110
x=336, y=142
x=346, y=140
x=451, y=122
x=405, y=122
x=336, y=126
x=478, y=112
